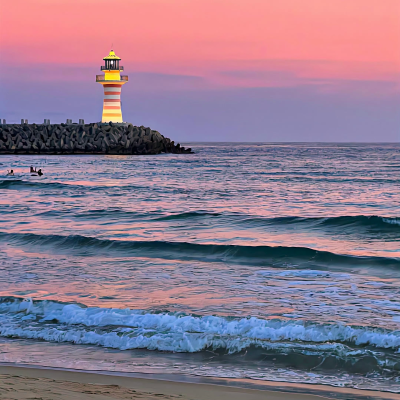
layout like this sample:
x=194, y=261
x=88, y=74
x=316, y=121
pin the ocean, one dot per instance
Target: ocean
x=261, y=261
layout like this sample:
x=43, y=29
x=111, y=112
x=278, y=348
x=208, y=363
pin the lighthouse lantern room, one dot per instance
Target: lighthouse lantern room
x=112, y=81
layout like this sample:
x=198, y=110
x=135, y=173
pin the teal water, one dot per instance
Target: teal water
x=265, y=261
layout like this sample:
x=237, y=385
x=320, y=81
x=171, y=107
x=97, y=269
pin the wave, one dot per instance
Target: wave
x=254, y=255
x=361, y=220
x=111, y=213
x=17, y=184
x=27, y=310
x=373, y=221
x=31, y=184
x=5, y=184
x=127, y=329
x=188, y=215
x=392, y=221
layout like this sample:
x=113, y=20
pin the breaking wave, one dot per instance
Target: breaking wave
x=126, y=329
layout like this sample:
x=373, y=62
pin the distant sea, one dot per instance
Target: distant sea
x=262, y=261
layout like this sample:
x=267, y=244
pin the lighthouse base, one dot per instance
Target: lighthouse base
x=106, y=120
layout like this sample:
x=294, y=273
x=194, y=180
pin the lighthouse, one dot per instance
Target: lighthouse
x=112, y=81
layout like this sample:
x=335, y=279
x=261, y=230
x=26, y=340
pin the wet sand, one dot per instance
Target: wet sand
x=50, y=384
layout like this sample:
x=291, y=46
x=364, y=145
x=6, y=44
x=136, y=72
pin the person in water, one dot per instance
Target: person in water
x=10, y=173
x=40, y=173
x=32, y=170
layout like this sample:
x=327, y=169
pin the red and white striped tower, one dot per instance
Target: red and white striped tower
x=112, y=82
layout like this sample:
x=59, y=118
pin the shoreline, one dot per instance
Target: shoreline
x=27, y=378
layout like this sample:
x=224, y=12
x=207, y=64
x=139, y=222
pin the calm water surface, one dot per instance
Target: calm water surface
x=263, y=261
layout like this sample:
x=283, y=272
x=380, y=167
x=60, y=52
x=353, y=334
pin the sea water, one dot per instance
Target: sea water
x=261, y=261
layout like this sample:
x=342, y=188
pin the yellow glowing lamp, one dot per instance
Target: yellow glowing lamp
x=111, y=64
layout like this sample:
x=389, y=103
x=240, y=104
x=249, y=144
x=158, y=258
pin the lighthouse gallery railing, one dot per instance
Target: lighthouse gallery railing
x=100, y=78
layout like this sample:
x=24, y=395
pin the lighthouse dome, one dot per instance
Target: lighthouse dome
x=111, y=56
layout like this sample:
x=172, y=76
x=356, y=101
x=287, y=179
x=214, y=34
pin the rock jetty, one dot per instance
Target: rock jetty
x=92, y=138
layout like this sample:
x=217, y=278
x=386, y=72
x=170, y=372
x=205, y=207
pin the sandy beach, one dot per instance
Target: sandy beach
x=50, y=384
x=26, y=383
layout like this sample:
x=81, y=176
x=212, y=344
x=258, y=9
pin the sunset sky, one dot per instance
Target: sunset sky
x=225, y=70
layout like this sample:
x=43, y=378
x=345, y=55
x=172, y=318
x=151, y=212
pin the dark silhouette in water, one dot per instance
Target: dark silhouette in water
x=10, y=173
x=36, y=173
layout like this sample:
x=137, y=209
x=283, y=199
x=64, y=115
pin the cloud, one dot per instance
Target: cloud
x=366, y=79
x=325, y=76
x=152, y=81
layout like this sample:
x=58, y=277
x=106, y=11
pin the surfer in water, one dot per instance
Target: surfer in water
x=35, y=172
x=10, y=173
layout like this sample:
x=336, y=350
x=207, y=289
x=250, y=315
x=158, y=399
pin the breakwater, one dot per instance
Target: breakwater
x=84, y=139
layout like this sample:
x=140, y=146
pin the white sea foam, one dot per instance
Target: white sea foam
x=129, y=329
x=393, y=221
x=305, y=273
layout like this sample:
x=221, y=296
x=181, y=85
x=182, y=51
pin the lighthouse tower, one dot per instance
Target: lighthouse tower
x=112, y=82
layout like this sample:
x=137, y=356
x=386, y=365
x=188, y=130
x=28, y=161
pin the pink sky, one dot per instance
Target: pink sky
x=345, y=39
x=333, y=45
